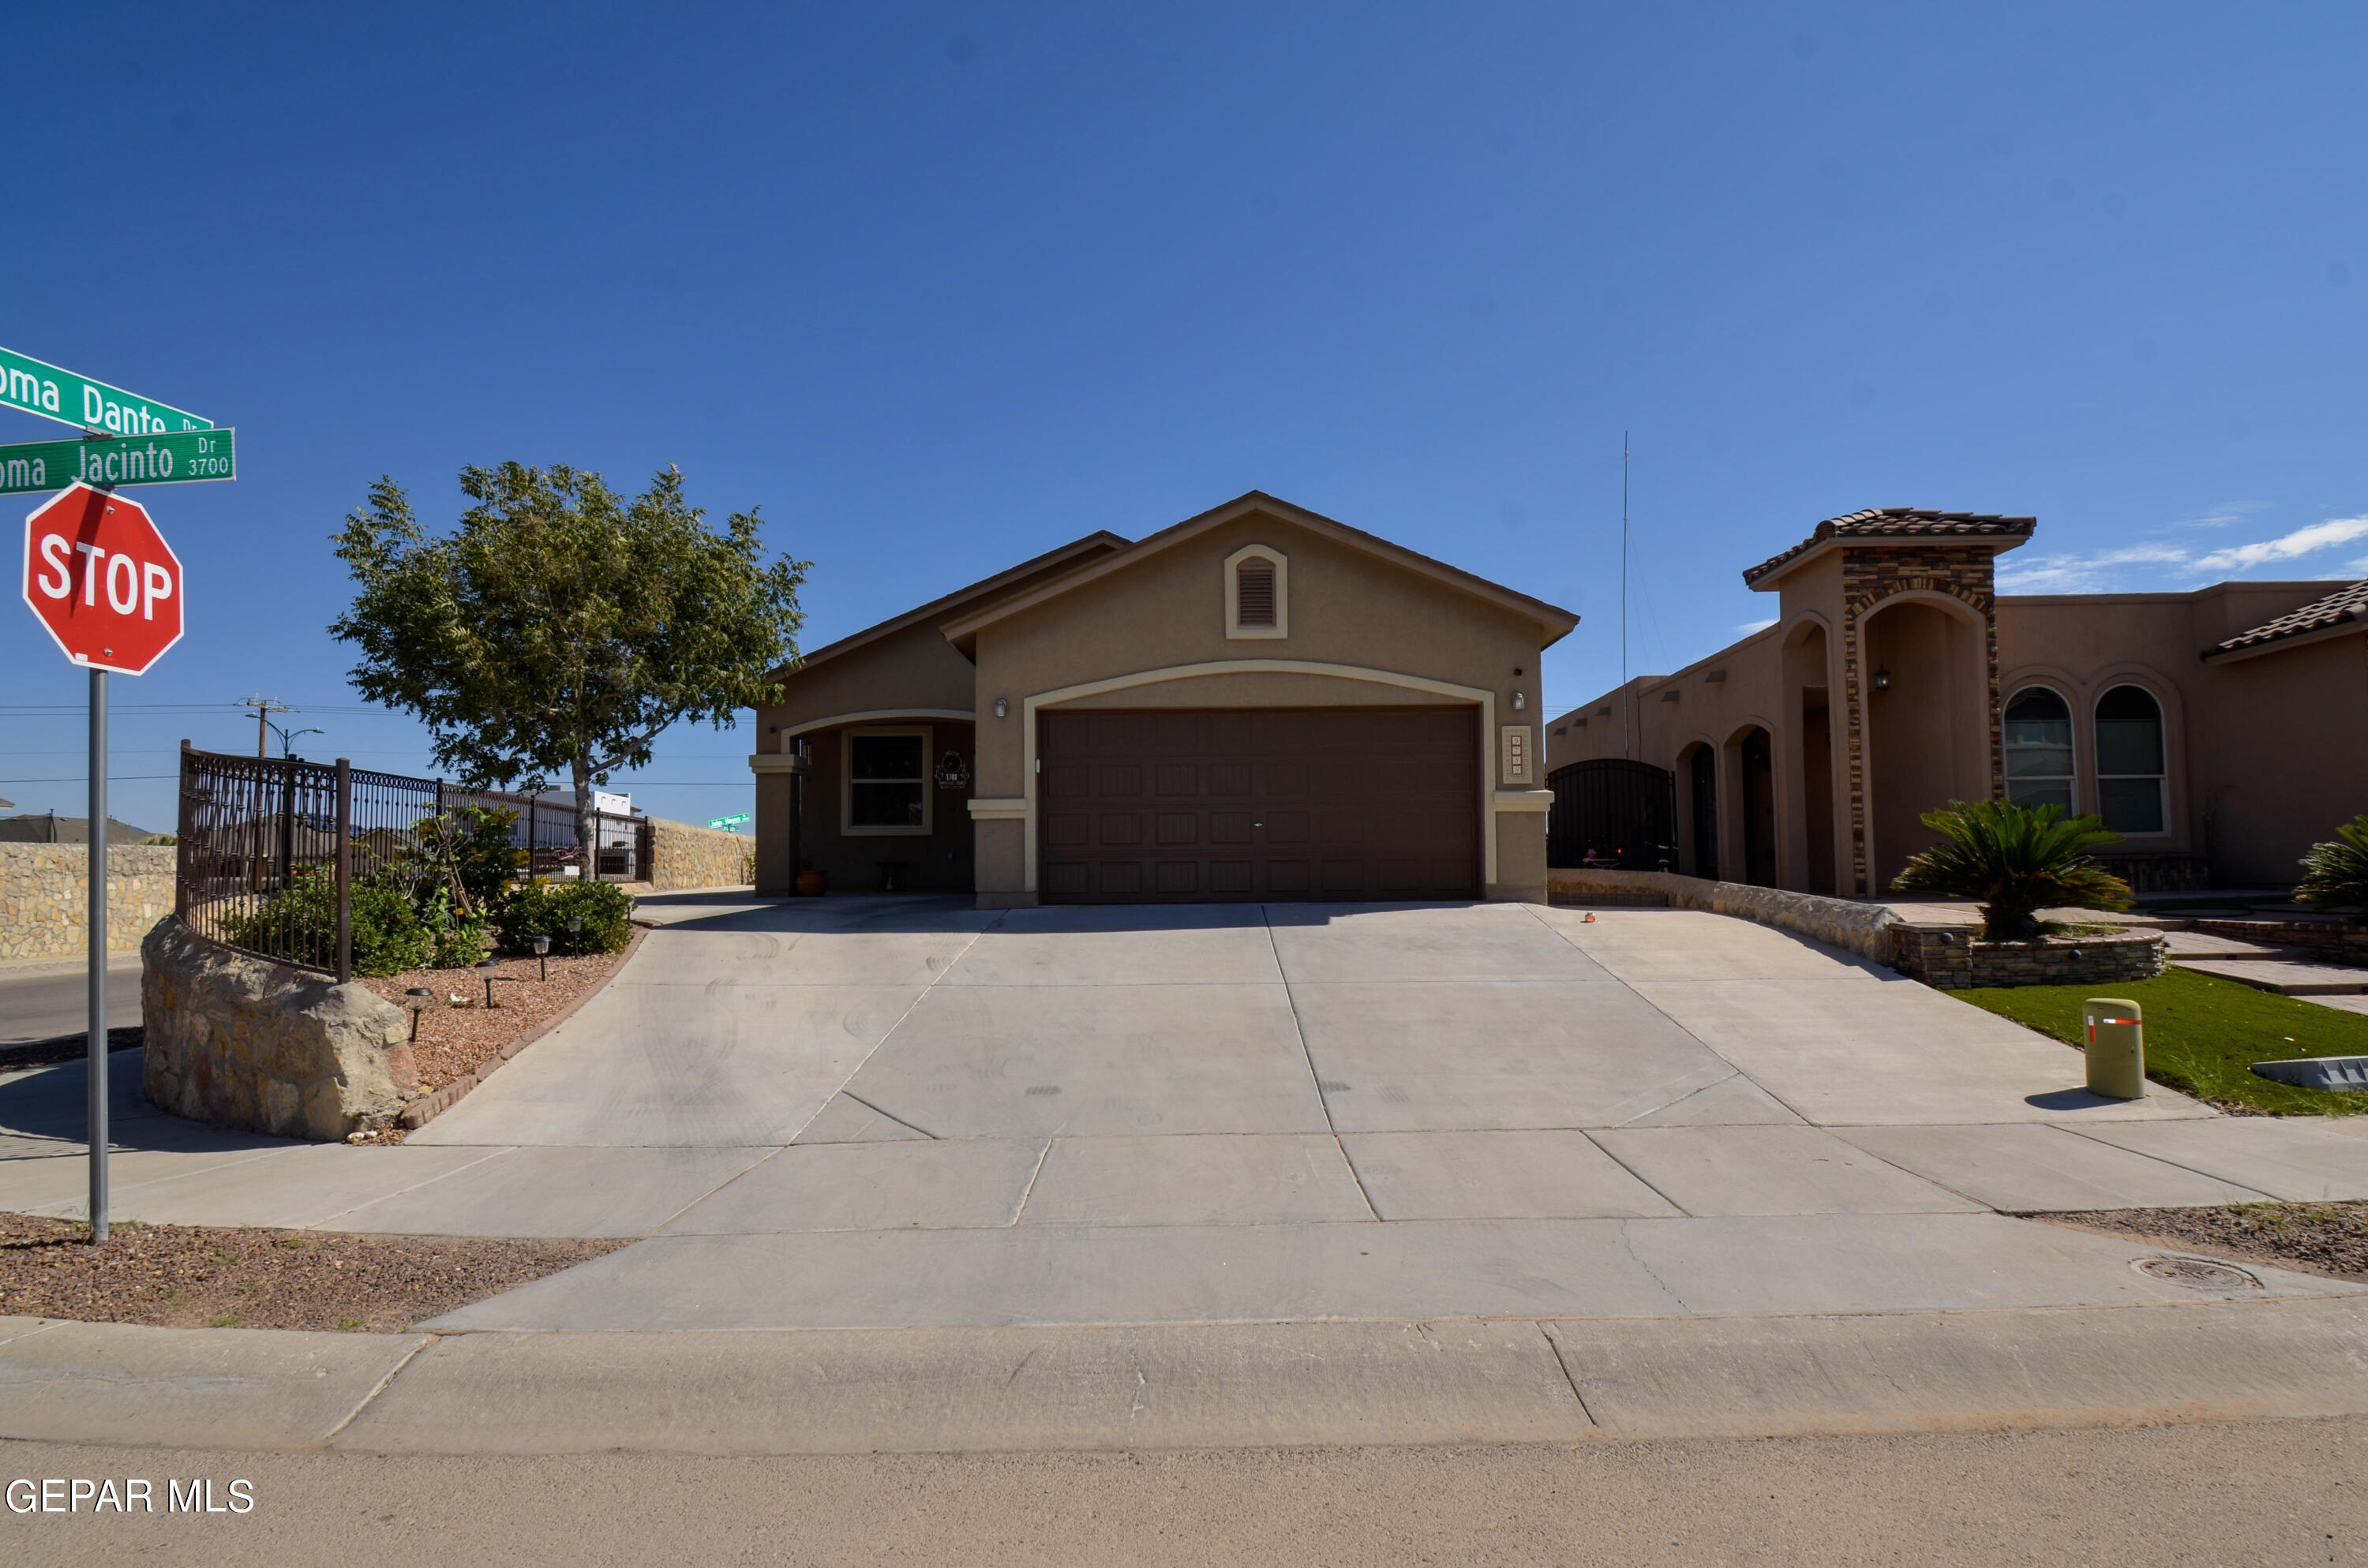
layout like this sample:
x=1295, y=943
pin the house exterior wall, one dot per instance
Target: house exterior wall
x=2264, y=753
x=1361, y=631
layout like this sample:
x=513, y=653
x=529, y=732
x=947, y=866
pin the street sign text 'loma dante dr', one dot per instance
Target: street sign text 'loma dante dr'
x=44, y=388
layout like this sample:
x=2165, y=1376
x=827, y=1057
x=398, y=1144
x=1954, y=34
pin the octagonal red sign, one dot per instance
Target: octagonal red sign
x=102, y=579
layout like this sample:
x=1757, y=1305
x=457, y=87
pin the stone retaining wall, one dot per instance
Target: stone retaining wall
x=1862, y=928
x=1950, y=958
x=682, y=855
x=242, y=1041
x=45, y=897
x=1947, y=957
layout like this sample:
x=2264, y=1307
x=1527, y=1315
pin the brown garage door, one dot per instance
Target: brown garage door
x=1167, y=806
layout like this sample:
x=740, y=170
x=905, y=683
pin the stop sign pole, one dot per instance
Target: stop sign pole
x=100, y=577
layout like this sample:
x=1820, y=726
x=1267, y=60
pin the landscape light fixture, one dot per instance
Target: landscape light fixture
x=417, y=999
x=488, y=969
x=543, y=955
x=1881, y=678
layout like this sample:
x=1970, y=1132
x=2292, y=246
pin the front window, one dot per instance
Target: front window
x=2039, y=749
x=887, y=781
x=2129, y=761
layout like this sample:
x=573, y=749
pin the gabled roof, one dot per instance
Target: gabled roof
x=2345, y=607
x=1554, y=620
x=1075, y=553
x=1900, y=525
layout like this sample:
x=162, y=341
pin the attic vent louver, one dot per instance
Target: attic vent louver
x=1254, y=593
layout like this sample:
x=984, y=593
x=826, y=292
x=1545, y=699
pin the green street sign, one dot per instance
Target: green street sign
x=190, y=456
x=37, y=388
x=727, y=822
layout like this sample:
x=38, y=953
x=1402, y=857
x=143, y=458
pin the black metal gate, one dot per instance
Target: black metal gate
x=1611, y=811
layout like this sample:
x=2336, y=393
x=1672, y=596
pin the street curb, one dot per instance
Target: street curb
x=1021, y=1389
x=420, y=1113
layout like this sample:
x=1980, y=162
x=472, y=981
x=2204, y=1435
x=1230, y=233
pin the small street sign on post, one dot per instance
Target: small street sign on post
x=189, y=457
x=727, y=822
x=44, y=388
x=100, y=577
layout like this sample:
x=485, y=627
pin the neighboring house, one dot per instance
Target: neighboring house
x=1257, y=703
x=2220, y=730
x=48, y=827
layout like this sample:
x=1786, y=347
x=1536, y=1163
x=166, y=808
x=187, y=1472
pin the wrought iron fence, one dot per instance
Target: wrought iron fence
x=1613, y=812
x=272, y=850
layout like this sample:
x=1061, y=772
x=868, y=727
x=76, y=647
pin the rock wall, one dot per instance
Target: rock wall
x=242, y=1041
x=1862, y=928
x=45, y=897
x=682, y=855
x=1946, y=957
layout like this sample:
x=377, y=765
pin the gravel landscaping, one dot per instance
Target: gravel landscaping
x=464, y=1036
x=2314, y=1238
x=204, y=1276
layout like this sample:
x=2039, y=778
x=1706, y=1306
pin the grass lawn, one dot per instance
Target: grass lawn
x=2203, y=1034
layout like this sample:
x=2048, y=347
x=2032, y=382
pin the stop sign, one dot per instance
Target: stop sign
x=102, y=579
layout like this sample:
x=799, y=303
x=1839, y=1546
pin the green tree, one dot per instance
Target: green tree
x=560, y=629
x=2335, y=873
x=2015, y=859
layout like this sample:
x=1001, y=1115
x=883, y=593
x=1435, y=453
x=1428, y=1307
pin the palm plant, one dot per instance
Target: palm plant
x=2015, y=859
x=2337, y=873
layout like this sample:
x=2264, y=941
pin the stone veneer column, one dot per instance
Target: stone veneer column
x=1872, y=574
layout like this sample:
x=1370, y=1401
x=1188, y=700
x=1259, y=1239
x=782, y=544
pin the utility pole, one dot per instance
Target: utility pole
x=264, y=708
x=1627, y=698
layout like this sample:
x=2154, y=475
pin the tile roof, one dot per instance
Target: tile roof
x=2345, y=604
x=1901, y=523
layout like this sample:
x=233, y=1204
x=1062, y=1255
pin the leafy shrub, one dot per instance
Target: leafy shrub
x=475, y=847
x=543, y=909
x=2336, y=874
x=300, y=922
x=458, y=940
x=2015, y=859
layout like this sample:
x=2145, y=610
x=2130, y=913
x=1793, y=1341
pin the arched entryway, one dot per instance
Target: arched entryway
x=1756, y=769
x=1926, y=678
x=1698, y=776
x=1812, y=766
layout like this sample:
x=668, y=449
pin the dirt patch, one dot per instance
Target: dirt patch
x=458, y=1037
x=2314, y=1238
x=205, y=1276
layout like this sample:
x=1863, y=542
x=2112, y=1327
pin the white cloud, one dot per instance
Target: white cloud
x=2285, y=547
x=2079, y=573
x=1749, y=627
x=2222, y=515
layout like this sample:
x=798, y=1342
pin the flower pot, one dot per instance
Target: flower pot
x=812, y=884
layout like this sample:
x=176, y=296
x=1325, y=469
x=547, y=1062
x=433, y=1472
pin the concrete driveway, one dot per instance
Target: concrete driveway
x=905, y=1113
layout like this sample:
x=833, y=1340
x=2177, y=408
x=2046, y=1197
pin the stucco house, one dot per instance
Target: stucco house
x=1255, y=703
x=2220, y=730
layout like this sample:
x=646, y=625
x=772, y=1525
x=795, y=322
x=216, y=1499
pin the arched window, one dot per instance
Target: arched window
x=2039, y=749
x=2129, y=761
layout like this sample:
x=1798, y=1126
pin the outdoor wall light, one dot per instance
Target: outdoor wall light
x=1520, y=702
x=1881, y=678
x=418, y=999
x=1002, y=708
x=543, y=955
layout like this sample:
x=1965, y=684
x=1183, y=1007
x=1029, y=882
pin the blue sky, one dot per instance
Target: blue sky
x=939, y=286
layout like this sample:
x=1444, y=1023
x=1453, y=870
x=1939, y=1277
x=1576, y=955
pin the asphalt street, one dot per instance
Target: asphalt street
x=2281, y=1491
x=42, y=1001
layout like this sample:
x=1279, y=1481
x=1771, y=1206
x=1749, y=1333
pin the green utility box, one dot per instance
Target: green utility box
x=2116, y=1048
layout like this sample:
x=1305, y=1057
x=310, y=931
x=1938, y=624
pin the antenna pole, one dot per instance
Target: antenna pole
x=1627, y=698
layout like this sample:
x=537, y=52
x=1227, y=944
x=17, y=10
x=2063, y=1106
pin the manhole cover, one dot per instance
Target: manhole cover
x=2202, y=1273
